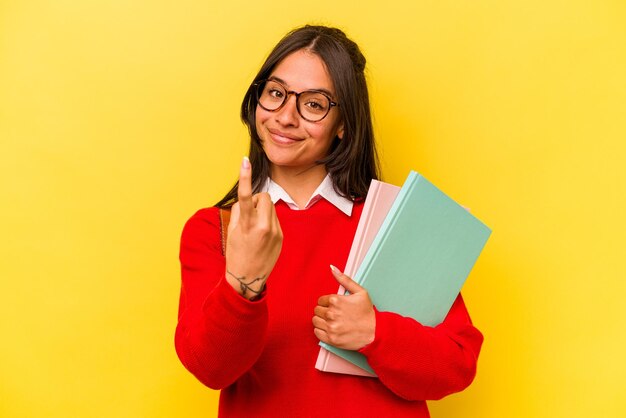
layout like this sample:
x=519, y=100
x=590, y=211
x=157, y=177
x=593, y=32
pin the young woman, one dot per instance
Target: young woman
x=253, y=310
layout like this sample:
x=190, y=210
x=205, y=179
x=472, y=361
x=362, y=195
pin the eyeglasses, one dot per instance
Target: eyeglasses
x=312, y=105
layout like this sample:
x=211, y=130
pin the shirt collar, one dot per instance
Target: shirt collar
x=324, y=190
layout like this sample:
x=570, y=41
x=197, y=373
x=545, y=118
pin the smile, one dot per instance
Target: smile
x=283, y=138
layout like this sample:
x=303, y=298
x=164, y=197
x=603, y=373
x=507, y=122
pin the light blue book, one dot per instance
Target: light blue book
x=420, y=257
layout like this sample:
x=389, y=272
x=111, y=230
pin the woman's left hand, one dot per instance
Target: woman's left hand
x=345, y=321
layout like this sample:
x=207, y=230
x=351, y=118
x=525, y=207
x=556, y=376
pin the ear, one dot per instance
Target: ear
x=340, y=131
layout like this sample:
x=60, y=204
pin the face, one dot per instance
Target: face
x=289, y=141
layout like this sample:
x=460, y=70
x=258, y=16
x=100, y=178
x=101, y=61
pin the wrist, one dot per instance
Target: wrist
x=250, y=287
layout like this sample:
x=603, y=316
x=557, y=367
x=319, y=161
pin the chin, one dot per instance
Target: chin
x=279, y=159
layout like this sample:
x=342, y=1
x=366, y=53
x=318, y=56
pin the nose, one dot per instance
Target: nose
x=287, y=115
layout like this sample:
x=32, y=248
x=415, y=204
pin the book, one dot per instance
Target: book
x=380, y=197
x=420, y=257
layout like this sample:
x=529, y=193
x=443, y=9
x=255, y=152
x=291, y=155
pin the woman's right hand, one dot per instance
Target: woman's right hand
x=254, y=238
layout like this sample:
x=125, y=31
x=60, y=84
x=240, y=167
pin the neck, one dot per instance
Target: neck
x=299, y=184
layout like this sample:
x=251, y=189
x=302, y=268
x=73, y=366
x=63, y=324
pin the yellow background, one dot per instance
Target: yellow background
x=118, y=119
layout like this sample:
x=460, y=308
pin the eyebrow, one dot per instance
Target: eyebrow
x=287, y=84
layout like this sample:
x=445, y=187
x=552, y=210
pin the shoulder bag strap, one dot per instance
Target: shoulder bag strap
x=224, y=221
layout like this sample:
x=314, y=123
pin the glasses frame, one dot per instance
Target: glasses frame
x=260, y=83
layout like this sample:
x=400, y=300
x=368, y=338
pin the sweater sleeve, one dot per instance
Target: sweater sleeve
x=417, y=362
x=220, y=334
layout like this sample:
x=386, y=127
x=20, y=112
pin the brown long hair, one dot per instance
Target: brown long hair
x=352, y=161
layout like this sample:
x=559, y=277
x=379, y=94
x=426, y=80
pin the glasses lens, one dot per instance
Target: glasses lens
x=272, y=95
x=313, y=106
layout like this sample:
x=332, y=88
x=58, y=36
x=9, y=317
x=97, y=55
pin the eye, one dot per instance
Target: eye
x=316, y=104
x=275, y=92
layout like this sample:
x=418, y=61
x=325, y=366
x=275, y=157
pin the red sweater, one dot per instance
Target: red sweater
x=262, y=354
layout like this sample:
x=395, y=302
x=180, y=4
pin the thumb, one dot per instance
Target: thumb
x=349, y=284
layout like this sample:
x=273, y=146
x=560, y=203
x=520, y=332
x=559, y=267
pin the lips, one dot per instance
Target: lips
x=282, y=137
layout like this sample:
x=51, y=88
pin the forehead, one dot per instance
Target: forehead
x=303, y=70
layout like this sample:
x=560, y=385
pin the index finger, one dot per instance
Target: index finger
x=323, y=301
x=244, y=189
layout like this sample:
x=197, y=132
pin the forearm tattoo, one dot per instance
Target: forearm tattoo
x=246, y=286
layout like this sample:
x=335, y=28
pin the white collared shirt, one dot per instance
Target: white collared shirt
x=324, y=190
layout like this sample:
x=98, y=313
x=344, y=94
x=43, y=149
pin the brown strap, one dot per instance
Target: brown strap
x=224, y=221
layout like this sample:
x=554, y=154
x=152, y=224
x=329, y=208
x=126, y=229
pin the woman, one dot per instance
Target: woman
x=252, y=314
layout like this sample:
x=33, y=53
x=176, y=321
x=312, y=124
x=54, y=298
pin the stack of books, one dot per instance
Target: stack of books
x=413, y=249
